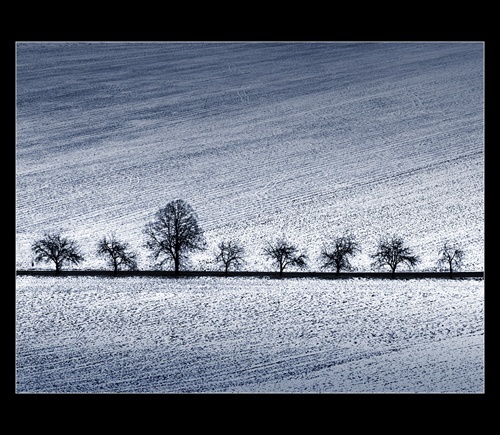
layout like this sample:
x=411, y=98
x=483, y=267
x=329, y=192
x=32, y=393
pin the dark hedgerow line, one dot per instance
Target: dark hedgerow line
x=195, y=273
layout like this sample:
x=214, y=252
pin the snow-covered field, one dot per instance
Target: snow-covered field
x=91, y=334
x=301, y=139
x=304, y=140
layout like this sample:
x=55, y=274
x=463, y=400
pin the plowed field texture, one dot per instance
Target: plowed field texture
x=210, y=334
x=304, y=140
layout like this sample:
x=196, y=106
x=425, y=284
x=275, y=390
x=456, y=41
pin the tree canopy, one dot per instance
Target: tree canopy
x=392, y=251
x=116, y=252
x=58, y=249
x=284, y=254
x=336, y=254
x=173, y=234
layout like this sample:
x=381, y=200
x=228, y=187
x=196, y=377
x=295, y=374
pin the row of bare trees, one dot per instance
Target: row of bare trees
x=391, y=251
x=174, y=233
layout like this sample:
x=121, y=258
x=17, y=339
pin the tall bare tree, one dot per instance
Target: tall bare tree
x=58, y=249
x=284, y=254
x=392, y=251
x=451, y=255
x=336, y=254
x=173, y=234
x=117, y=253
x=230, y=254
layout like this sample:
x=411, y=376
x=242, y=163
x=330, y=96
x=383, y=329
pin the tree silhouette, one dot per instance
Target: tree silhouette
x=336, y=255
x=230, y=254
x=392, y=251
x=117, y=253
x=173, y=234
x=58, y=249
x=451, y=255
x=283, y=254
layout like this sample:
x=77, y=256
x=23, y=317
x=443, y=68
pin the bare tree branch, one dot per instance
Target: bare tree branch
x=451, y=255
x=117, y=253
x=173, y=234
x=283, y=254
x=230, y=254
x=336, y=255
x=392, y=251
x=58, y=249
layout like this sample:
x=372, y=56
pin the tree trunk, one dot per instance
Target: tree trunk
x=58, y=268
x=393, y=273
x=176, y=263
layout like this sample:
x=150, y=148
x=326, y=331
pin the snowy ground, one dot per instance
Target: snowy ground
x=208, y=334
x=305, y=140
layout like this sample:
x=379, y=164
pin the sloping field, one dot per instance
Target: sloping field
x=261, y=139
x=209, y=334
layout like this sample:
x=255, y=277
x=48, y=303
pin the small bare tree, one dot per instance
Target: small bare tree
x=283, y=254
x=229, y=254
x=58, y=249
x=451, y=256
x=117, y=253
x=392, y=251
x=336, y=255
